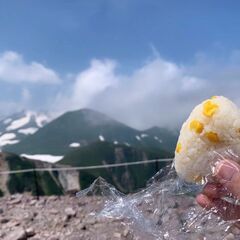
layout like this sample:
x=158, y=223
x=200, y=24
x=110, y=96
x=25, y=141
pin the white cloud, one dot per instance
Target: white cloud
x=89, y=84
x=151, y=95
x=97, y=78
x=13, y=69
x=160, y=92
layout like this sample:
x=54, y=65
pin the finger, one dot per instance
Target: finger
x=227, y=173
x=213, y=190
x=204, y=201
x=225, y=210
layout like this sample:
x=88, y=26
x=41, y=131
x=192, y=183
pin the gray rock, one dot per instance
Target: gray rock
x=30, y=232
x=54, y=211
x=17, y=234
x=125, y=232
x=4, y=220
x=52, y=198
x=33, y=202
x=13, y=223
x=230, y=236
x=15, y=201
x=117, y=235
x=70, y=212
x=90, y=220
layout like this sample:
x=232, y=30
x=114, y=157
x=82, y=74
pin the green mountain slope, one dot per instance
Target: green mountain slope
x=39, y=183
x=127, y=178
x=165, y=137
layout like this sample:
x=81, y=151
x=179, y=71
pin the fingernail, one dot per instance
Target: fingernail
x=225, y=170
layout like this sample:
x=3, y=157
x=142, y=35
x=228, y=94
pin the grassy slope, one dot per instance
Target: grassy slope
x=169, y=138
x=26, y=182
x=125, y=178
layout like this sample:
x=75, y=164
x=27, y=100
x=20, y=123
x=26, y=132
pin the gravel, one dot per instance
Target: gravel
x=69, y=218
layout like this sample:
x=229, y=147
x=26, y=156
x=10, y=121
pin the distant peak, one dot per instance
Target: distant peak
x=154, y=128
x=91, y=111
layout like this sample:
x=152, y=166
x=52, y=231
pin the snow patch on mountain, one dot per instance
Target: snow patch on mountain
x=19, y=122
x=41, y=119
x=28, y=131
x=16, y=127
x=43, y=157
x=138, y=138
x=101, y=138
x=158, y=139
x=8, y=138
x=74, y=144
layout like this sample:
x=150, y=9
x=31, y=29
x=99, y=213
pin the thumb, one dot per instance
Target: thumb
x=228, y=174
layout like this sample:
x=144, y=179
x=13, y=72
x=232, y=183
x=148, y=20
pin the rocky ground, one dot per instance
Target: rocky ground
x=55, y=218
x=67, y=217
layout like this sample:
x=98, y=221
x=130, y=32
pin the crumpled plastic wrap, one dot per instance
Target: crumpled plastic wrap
x=166, y=208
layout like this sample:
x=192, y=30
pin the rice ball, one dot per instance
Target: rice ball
x=213, y=124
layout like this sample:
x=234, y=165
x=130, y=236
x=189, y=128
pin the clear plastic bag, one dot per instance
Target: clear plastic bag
x=166, y=208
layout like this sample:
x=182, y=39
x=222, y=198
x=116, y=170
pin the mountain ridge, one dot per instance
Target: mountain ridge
x=83, y=127
x=87, y=137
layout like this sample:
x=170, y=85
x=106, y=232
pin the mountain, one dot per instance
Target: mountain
x=126, y=178
x=164, y=136
x=83, y=127
x=18, y=126
x=81, y=138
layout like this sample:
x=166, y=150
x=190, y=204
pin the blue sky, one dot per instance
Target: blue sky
x=67, y=34
x=53, y=53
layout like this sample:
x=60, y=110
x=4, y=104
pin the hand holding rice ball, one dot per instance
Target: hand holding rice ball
x=213, y=124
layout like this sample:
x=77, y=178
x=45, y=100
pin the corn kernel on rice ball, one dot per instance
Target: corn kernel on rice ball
x=213, y=124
